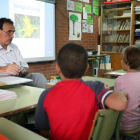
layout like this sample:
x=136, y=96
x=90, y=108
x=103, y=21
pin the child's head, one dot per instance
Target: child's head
x=72, y=60
x=131, y=58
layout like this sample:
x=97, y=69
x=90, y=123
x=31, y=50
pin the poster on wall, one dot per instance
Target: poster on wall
x=84, y=13
x=86, y=28
x=86, y=1
x=70, y=5
x=74, y=26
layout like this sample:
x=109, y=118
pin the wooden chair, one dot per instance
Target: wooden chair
x=130, y=134
x=105, y=124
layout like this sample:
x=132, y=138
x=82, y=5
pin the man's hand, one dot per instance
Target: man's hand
x=10, y=69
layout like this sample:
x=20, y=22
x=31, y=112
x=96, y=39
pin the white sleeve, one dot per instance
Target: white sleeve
x=20, y=61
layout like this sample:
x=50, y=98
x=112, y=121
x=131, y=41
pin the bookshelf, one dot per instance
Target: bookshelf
x=117, y=29
x=137, y=24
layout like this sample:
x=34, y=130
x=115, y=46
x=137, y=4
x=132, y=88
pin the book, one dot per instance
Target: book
x=122, y=48
x=7, y=95
x=114, y=24
x=117, y=48
x=109, y=25
x=127, y=24
x=118, y=24
x=104, y=24
x=108, y=48
x=121, y=27
x=114, y=48
x=119, y=37
x=127, y=38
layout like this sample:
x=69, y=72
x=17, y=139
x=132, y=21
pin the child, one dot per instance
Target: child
x=130, y=83
x=68, y=108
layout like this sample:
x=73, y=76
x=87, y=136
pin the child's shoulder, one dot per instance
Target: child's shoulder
x=93, y=83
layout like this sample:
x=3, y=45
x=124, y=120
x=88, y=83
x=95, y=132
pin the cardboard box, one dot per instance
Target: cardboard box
x=108, y=66
x=101, y=73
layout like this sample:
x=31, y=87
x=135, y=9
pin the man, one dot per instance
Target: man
x=11, y=60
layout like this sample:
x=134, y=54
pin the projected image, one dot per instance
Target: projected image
x=27, y=26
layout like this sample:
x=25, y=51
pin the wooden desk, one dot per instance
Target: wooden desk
x=27, y=98
x=96, y=55
x=109, y=82
x=116, y=73
x=16, y=132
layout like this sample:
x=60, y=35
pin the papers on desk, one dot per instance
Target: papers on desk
x=7, y=95
x=11, y=80
x=117, y=73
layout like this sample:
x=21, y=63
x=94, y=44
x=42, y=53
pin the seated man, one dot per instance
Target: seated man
x=11, y=60
x=67, y=110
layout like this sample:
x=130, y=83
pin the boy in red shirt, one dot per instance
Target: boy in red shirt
x=68, y=108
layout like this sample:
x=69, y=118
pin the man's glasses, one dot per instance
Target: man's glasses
x=10, y=32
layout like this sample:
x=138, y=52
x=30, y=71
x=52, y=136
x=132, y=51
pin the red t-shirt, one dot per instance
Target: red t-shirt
x=69, y=107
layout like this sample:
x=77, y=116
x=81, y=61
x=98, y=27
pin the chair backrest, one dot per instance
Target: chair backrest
x=105, y=123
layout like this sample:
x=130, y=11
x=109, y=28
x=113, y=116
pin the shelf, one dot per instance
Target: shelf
x=110, y=52
x=116, y=1
x=117, y=9
x=118, y=17
x=116, y=42
x=115, y=30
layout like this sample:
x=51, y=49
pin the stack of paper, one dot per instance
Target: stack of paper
x=11, y=80
x=126, y=13
x=137, y=9
x=7, y=95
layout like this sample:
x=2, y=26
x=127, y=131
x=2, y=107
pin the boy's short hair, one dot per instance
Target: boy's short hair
x=131, y=56
x=72, y=60
x=5, y=20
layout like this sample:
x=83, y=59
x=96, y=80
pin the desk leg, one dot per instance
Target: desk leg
x=92, y=64
x=105, y=64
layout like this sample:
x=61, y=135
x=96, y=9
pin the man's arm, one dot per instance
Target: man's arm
x=117, y=101
x=10, y=69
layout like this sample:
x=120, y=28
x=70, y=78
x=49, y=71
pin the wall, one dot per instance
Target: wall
x=89, y=40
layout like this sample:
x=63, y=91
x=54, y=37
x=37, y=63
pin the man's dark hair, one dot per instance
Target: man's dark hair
x=131, y=56
x=5, y=20
x=72, y=59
